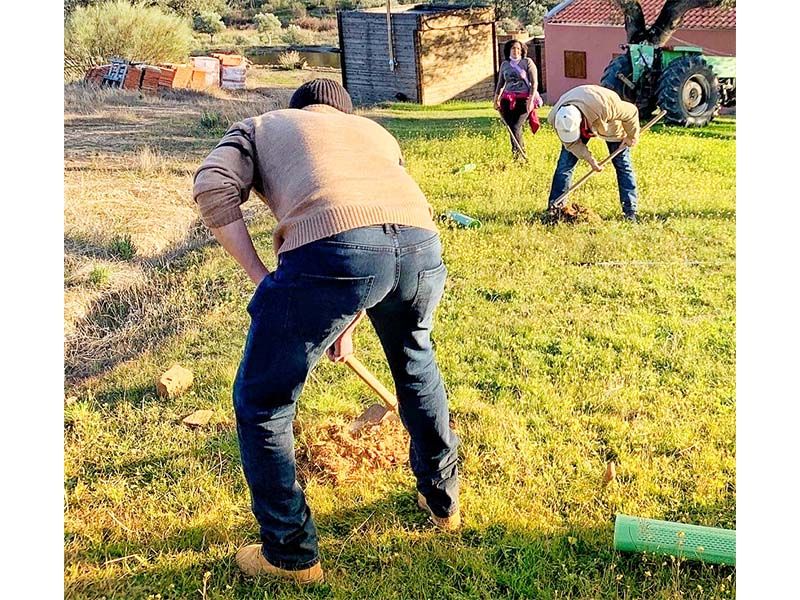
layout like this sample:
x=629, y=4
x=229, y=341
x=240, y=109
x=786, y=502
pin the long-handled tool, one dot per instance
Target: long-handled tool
x=514, y=138
x=377, y=412
x=562, y=199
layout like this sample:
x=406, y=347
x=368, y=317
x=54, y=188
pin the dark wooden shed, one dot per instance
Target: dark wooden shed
x=421, y=53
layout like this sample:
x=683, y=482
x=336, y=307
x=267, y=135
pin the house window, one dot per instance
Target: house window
x=575, y=64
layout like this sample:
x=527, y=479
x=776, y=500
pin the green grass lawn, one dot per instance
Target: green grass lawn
x=563, y=347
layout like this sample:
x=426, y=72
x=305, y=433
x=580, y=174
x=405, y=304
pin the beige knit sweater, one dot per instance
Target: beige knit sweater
x=610, y=117
x=319, y=170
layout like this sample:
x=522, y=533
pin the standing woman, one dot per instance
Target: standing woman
x=515, y=96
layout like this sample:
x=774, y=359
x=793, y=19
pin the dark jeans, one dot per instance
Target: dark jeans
x=626, y=181
x=515, y=119
x=397, y=274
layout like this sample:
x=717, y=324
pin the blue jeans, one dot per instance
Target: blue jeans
x=397, y=274
x=626, y=181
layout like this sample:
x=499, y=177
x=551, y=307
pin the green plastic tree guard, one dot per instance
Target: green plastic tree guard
x=463, y=220
x=692, y=542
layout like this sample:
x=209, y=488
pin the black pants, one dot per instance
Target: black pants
x=515, y=119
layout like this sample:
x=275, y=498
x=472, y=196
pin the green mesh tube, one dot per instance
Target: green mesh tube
x=692, y=542
x=463, y=220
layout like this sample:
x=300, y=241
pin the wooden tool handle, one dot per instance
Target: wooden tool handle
x=560, y=200
x=388, y=398
x=513, y=137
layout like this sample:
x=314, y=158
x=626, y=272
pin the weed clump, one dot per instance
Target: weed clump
x=212, y=121
x=99, y=276
x=122, y=247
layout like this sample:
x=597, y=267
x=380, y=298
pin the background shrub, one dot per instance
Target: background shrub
x=94, y=34
x=208, y=22
x=268, y=25
x=289, y=60
x=294, y=35
x=315, y=23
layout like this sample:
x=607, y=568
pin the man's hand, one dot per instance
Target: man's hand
x=343, y=346
x=257, y=276
x=631, y=141
x=596, y=166
x=497, y=103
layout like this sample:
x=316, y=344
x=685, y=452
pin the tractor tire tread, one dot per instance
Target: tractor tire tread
x=669, y=91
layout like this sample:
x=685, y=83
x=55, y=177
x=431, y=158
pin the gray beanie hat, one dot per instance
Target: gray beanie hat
x=322, y=91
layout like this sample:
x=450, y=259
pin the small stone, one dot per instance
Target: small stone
x=198, y=418
x=611, y=472
x=174, y=382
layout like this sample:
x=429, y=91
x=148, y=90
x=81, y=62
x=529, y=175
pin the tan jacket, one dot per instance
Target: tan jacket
x=608, y=116
x=321, y=172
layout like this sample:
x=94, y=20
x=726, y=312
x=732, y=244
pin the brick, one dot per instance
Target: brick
x=174, y=382
x=611, y=472
x=198, y=418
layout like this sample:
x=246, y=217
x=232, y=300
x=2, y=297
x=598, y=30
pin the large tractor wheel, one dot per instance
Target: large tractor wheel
x=689, y=91
x=620, y=65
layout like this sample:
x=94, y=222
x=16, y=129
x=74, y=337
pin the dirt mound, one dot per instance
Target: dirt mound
x=573, y=213
x=328, y=453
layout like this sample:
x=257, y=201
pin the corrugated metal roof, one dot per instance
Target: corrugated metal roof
x=605, y=12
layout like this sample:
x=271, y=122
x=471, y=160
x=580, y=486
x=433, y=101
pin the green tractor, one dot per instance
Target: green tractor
x=691, y=87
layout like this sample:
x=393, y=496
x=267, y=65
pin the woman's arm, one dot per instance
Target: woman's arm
x=501, y=82
x=534, y=81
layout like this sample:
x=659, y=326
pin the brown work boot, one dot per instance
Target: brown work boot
x=252, y=562
x=450, y=523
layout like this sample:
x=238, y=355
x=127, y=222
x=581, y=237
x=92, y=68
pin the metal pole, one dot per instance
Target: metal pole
x=389, y=34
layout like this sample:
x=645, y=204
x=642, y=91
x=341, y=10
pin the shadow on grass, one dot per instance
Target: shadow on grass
x=387, y=549
x=722, y=132
x=124, y=324
x=513, y=217
x=445, y=128
x=440, y=128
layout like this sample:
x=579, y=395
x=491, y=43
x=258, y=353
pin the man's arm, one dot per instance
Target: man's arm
x=221, y=184
x=534, y=81
x=501, y=82
x=236, y=240
x=579, y=149
x=628, y=115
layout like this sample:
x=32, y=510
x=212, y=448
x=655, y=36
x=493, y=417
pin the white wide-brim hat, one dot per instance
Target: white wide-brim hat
x=568, y=124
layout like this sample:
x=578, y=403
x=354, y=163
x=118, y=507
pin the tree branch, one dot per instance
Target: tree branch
x=669, y=18
x=634, y=20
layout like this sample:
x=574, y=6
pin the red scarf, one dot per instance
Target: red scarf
x=512, y=97
x=586, y=133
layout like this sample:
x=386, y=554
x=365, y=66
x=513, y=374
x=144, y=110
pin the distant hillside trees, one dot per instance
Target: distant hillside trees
x=268, y=25
x=208, y=22
x=192, y=8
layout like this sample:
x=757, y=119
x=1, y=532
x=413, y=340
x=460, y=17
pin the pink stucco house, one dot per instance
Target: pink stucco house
x=582, y=36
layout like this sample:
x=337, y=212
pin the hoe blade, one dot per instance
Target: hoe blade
x=374, y=415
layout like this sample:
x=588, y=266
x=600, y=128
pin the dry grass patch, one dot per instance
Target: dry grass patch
x=154, y=208
x=88, y=279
